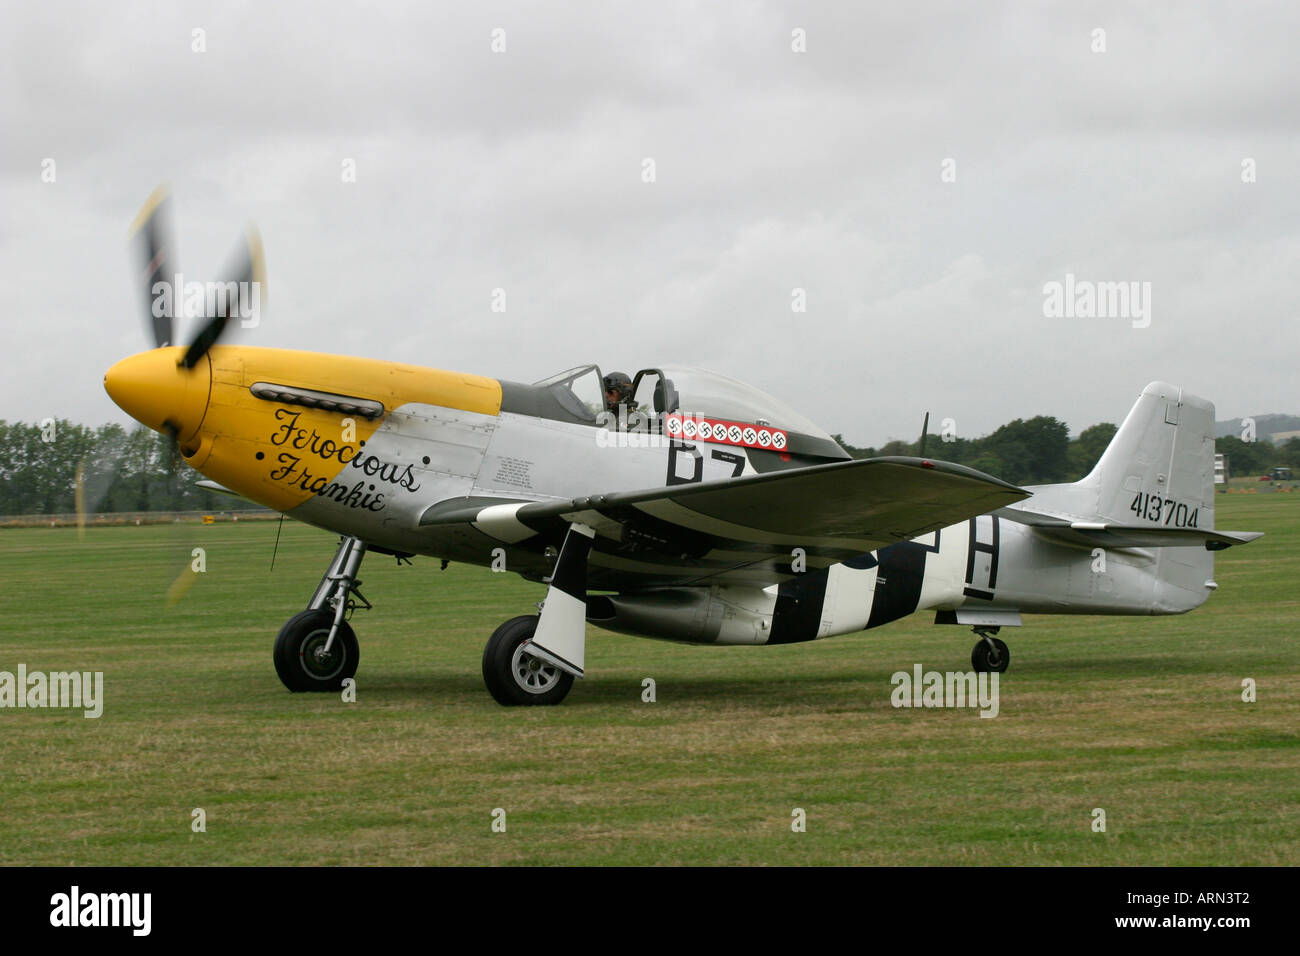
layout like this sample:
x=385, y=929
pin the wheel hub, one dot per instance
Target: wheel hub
x=316, y=661
x=531, y=673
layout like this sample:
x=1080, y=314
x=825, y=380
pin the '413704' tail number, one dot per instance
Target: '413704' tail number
x=1165, y=511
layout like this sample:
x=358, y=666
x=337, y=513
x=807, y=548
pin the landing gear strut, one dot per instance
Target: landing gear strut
x=990, y=655
x=316, y=650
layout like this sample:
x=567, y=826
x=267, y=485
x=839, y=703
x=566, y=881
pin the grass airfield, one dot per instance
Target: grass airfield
x=1142, y=717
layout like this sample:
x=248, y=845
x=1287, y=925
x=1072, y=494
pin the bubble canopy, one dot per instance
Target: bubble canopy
x=702, y=392
x=698, y=392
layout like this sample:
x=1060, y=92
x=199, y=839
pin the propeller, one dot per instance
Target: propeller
x=242, y=293
x=153, y=234
x=249, y=271
x=239, y=294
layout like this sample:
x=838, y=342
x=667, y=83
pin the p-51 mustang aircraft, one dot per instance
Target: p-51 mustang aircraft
x=688, y=506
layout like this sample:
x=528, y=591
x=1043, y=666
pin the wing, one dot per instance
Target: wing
x=208, y=484
x=745, y=529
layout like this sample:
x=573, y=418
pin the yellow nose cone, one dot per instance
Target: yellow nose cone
x=154, y=390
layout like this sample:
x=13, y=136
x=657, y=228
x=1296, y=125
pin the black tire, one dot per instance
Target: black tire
x=985, y=660
x=513, y=678
x=296, y=661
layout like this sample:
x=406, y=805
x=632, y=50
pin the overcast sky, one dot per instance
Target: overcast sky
x=774, y=170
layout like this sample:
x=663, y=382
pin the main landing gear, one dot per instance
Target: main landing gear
x=533, y=659
x=990, y=655
x=316, y=650
x=516, y=677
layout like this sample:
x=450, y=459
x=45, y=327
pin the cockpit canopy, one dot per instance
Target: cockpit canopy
x=680, y=389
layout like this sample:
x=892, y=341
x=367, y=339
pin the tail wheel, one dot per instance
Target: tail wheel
x=989, y=660
x=300, y=656
x=516, y=678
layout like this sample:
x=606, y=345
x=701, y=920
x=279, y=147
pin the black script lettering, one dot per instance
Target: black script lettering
x=282, y=433
x=289, y=465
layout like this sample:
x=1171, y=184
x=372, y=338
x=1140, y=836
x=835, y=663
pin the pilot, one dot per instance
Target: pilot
x=618, y=393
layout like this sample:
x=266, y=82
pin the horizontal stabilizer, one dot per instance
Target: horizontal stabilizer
x=1105, y=534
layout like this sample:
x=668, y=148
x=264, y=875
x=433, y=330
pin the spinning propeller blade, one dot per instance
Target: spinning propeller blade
x=152, y=235
x=239, y=296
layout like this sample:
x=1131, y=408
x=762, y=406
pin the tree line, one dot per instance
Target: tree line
x=1254, y=458
x=1031, y=451
x=121, y=470
x=1039, y=451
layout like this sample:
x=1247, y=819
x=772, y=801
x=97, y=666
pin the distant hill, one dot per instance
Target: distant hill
x=1265, y=425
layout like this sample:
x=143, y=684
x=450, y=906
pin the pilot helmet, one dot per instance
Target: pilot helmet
x=620, y=385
